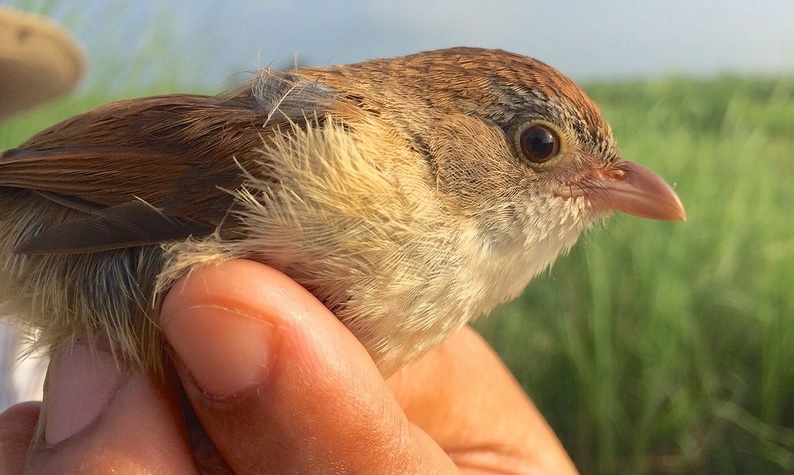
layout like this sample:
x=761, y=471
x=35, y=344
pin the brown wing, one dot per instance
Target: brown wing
x=154, y=169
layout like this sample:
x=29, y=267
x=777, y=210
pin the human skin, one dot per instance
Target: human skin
x=280, y=386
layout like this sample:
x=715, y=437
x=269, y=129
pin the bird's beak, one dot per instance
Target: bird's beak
x=636, y=190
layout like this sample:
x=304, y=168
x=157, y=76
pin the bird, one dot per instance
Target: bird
x=410, y=195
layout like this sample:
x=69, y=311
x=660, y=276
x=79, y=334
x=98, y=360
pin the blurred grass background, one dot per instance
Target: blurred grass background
x=653, y=347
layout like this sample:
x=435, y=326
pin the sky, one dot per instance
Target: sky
x=605, y=39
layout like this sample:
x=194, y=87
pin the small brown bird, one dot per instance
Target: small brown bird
x=410, y=195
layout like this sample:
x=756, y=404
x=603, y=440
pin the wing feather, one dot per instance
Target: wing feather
x=159, y=168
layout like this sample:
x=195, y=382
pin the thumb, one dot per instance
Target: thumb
x=279, y=384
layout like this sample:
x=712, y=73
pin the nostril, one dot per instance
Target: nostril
x=617, y=174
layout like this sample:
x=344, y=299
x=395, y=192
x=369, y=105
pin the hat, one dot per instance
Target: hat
x=38, y=61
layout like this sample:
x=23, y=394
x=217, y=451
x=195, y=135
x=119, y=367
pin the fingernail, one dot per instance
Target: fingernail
x=225, y=350
x=81, y=382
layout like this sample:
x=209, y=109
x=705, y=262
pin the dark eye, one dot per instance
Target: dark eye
x=539, y=143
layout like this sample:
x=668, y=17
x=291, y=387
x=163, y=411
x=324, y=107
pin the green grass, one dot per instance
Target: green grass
x=668, y=347
x=662, y=347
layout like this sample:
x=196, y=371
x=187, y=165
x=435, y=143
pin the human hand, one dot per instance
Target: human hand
x=280, y=386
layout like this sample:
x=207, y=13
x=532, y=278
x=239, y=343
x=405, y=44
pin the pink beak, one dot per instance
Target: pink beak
x=636, y=190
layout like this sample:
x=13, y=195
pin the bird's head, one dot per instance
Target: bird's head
x=512, y=132
x=513, y=146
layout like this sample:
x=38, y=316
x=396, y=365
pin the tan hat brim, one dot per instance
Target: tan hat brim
x=38, y=61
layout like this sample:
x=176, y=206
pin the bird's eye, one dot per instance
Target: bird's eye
x=539, y=143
